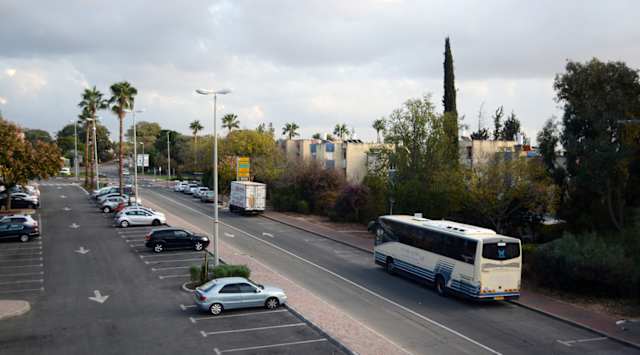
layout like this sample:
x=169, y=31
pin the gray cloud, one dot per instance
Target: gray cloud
x=314, y=62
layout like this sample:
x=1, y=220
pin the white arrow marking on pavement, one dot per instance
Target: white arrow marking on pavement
x=67, y=209
x=63, y=196
x=98, y=297
x=74, y=226
x=82, y=250
x=59, y=188
x=229, y=235
x=267, y=234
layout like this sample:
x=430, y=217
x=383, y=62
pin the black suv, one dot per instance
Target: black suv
x=173, y=238
x=23, y=232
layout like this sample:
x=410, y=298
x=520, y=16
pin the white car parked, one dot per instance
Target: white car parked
x=140, y=217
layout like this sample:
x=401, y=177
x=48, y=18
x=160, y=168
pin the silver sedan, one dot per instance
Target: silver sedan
x=140, y=217
x=236, y=292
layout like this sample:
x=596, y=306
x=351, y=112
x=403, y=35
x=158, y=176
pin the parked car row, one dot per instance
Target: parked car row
x=20, y=226
x=127, y=208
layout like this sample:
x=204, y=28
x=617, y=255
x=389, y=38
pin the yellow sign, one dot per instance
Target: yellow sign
x=243, y=168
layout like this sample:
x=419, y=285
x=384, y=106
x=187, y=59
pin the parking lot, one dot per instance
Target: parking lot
x=21, y=268
x=250, y=331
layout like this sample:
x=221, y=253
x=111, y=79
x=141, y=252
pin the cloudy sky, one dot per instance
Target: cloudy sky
x=316, y=63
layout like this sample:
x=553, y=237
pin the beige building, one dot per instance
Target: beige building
x=348, y=156
x=478, y=152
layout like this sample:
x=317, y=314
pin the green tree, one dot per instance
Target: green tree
x=502, y=191
x=196, y=127
x=34, y=135
x=341, y=131
x=379, y=125
x=290, y=130
x=92, y=101
x=601, y=151
x=20, y=161
x=511, y=128
x=230, y=122
x=497, y=123
x=122, y=100
x=450, y=109
x=316, y=136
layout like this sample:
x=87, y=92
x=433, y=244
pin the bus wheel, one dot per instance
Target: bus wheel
x=440, y=286
x=391, y=267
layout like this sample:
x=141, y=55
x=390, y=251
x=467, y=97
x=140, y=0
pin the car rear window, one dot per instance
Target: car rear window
x=208, y=286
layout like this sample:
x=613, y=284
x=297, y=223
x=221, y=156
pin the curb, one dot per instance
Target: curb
x=26, y=307
x=331, y=339
x=185, y=289
x=317, y=233
x=577, y=324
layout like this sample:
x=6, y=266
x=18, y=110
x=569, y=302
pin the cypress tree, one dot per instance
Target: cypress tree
x=449, y=103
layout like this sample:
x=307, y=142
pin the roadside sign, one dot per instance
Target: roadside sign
x=243, y=168
x=143, y=160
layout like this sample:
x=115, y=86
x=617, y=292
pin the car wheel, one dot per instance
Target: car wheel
x=24, y=238
x=158, y=248
x=440, y=286
x=198, y=246
x=106, y=210
x=271, y=303
x=155, y=222
x=390, y=266
x=124, y=224
x=216, y=309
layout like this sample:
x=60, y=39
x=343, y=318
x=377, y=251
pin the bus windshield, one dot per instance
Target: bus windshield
x=500, y=250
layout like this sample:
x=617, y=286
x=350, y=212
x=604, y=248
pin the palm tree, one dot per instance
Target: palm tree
x=379, y=125
x=83, y=120
x=290, y=129
x=341, y=130
x=122, y=99
x=195, y=127
x=230, y=121
x=92, y=101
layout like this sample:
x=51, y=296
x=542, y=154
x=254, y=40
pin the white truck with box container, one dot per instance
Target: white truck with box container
x=247, y=197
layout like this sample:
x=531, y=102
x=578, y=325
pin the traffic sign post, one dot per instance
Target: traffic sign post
x=243, y=168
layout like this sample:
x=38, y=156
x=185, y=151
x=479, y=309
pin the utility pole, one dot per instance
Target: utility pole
x=168, y=159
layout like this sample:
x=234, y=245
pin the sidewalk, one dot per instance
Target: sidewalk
x=358, y=237
x=13, y=308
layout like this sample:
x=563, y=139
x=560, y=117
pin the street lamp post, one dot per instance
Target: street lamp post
x=168, y=159
x=215, y=94
x=142, y=144
x=75, y=148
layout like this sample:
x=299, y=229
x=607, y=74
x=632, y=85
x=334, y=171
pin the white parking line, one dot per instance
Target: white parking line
x=229, y=235
x=569, y=343
x=29, y=259
x=21, y=282
x=29, y=253
x=23, y=290
x=194, y=319
x=253, y=329
x=267, y=234
x=169, y=255
x=162, y=277
x=23, y=274
x=184, y=308
x=171, y=261
x=170, y=268
x=217, y=351
x=21, y=266
x=363, y=288
x=25, y=248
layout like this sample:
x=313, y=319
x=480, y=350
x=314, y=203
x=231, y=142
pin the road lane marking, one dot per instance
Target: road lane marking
x=82, y=251
x=29, y=259
x=229, y=235
x=266, y=234
x=98, y=297
x=184, y=308
x=171, y=261
x=569, y=343
x=217, y=351
x=172, y=268
x=16, y=257
x=74, y=225
x=371, y=292
x=27, y=253
x=195, y=319
x=170, y=255
x=21, y=266
x=25, y=248
x=256, y=329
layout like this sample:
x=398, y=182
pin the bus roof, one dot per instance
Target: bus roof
x=461, y=229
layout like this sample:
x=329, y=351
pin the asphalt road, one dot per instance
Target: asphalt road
x=407, y=313
x=142, y=313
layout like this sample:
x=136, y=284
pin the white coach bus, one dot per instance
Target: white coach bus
x=472, y=261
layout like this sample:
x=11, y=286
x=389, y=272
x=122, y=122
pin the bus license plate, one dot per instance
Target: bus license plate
x=499, y=298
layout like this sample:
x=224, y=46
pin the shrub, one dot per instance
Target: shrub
x=302, y=207
x=231, y=271
x=194, y=270
x=350, y=203
x=589, y=264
